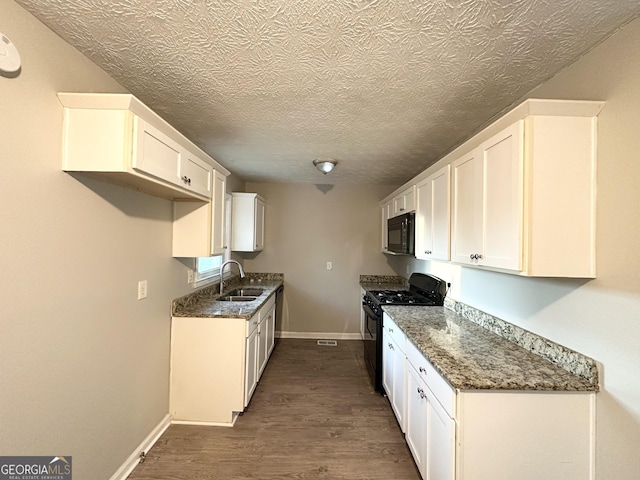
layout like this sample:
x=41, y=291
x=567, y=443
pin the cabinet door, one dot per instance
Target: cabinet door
x=398, y=402
x=251, y=366
x=424, y=224
x=271, y=330
x=387, y=209
x=156, y=154
x=387, y=364
x=405, y=202
x=196, y=175
x=467, y=209
x=430, y=432
x=502, y=199
x=409, y=199
x=259, y=225
x=441, y=214
x=416, y=419
x=262, y=345
x=217, y=212
x=398, y=205
x=433, y=213
x=440, y=453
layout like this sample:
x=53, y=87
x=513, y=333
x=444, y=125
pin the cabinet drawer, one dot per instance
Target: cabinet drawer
x=441, y=389
x=252, y=323
x=396, y=334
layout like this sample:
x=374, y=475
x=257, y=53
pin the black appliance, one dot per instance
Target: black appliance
x=279, y=302
x=424, y=290
x=401, y=234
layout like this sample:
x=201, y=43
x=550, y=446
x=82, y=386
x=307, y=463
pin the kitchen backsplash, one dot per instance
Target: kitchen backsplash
x=383, y=279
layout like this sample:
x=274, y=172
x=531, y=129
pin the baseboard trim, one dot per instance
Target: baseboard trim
x=321, y=335
x=207, y=424
x=134, y=459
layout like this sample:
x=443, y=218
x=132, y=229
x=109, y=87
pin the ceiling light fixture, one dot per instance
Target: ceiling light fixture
x=325, y=165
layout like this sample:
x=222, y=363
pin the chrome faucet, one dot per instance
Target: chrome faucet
x=222, y=267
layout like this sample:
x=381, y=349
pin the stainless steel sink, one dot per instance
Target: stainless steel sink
x=246, y=292
x=236, y=298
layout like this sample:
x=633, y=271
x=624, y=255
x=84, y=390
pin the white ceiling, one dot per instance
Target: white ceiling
x=385, y=87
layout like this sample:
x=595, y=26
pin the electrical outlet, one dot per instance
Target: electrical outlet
x=142, y=289
x=189, y=276
x=329, y=265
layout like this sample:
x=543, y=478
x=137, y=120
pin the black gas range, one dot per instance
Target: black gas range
x=424, y=290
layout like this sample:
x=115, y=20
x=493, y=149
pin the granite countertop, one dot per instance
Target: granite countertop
x=383, y=282
x=471, y=357
x=205, y=303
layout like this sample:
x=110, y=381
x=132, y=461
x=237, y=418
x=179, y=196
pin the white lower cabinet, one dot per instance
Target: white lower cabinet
x=430, y=432
x=260, y=343
x=270, y=337
x=251, y=360
x=216, y=364
x=393, y=369
x=490, y=434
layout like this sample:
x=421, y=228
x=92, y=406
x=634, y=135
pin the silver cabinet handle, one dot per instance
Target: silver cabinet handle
x=391, y=330
x=427, y=252
x=472, y=256
x=186, y=180
x=391, y=347
x=421, y=392
x=423, y=370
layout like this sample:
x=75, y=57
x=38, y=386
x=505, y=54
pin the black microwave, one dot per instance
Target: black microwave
x=401, y=234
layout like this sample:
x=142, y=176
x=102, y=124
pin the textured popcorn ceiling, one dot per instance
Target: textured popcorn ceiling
x=386, y=87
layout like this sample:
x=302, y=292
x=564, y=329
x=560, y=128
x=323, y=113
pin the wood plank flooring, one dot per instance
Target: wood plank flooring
x=314, y=415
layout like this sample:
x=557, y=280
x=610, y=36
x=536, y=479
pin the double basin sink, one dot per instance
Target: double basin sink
x=241, y=295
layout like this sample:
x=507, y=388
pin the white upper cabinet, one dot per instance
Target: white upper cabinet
x=387, y=210
x=524, y=196
x=247, y=225
x=433, y=213
x=404, y=202
x=117, y=138
x=155, y=154
x=198, y=229
x=196, y=175
x=217, y=208
x=488, y=199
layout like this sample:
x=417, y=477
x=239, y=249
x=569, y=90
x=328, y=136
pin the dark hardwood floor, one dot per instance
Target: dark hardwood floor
x=314, y=415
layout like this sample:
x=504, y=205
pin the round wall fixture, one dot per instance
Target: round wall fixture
x=9, y=56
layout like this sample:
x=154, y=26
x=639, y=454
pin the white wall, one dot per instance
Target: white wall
x=308, y=226
x=84, y=366
x=601, y=317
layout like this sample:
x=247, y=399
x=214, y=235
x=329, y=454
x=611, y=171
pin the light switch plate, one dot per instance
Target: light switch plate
x=329, y=265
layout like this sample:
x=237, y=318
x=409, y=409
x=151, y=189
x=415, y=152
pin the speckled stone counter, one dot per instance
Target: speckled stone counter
x=383, y=282
x=471, y=357
x=205, y=303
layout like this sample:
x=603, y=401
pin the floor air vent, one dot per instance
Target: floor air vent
x=328, y=343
